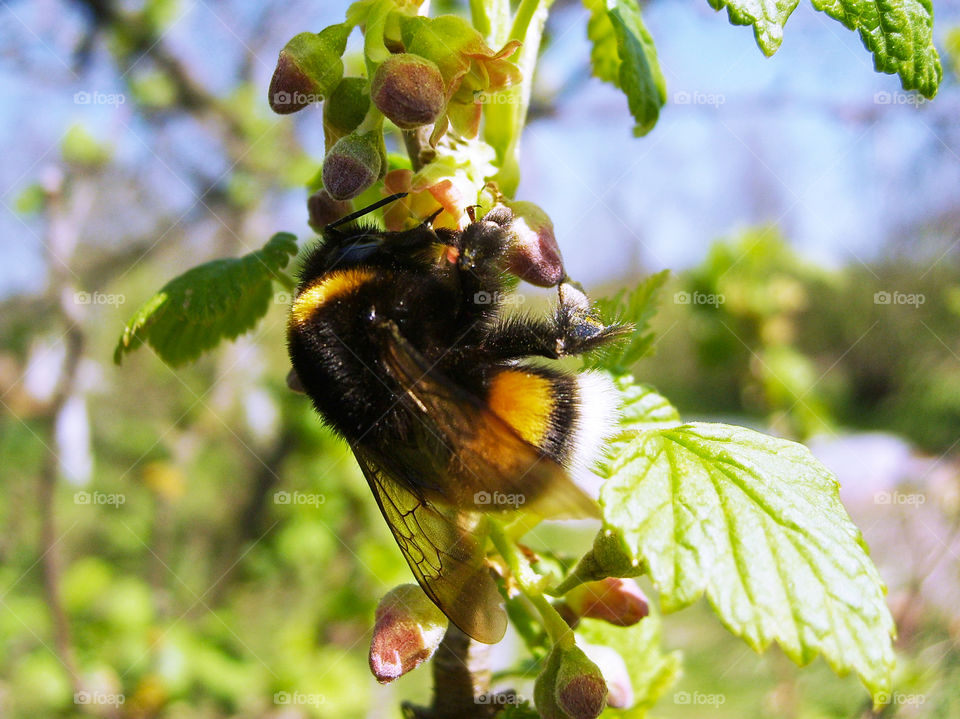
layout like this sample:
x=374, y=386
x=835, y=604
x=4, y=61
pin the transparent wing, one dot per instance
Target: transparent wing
x=445, y=550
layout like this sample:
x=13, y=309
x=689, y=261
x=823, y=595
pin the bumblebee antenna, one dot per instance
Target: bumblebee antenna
x=365, y=211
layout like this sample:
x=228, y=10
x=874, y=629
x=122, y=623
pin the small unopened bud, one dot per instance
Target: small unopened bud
x=324, y=209
x=309, y=67
x=351, y=166
x=534, y=255
x=617, y=601
x=409, y=90
x=614, y=670
x=408, y=630
x=581, y=690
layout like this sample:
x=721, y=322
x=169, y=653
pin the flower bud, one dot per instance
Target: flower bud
x=345, y=109
x=323, y=209
x=409, y=90
x=534, y=255
x=308, y=68
x=618, y=601
x=614, y=670
x=351, y=166
x=581, y=690
x=408, y=630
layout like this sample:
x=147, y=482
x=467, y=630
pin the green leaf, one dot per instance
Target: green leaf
x=217, y=300
x=756, y=524
x=767, y=17
x=651, y=671
x=899, y=33
x=637, y=308
x=623, y=53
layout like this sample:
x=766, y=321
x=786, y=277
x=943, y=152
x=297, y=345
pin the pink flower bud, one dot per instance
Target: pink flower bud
x=408, y=630
x=324, y=209
x=534, y=255
x=617, y=601
x=409, y=90
x=351, y=166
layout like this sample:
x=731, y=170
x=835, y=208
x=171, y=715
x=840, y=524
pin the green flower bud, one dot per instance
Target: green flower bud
x=534, y=255
x=308, y=69
x=345, y=108
x=409, y=90
x=581, y=690
x=351, y=166
x=408, y=630
x=324, y=209
x=618, y=601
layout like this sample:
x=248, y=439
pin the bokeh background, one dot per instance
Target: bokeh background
x=150, y=549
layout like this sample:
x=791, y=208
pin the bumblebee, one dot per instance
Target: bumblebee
x=400, y=341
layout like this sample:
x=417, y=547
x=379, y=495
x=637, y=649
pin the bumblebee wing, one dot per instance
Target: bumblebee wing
x=479, y=458
x=445, y=550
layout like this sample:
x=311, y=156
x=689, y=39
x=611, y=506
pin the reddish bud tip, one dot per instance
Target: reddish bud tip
x=581, y=690
x=408, y=630
x=617, y=601
x=324, y=209
x=614, y=670
x=351, y=166
x=409, y=90
x=534, y=255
